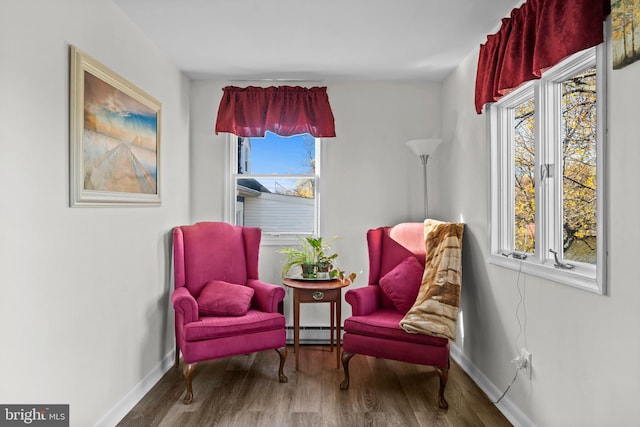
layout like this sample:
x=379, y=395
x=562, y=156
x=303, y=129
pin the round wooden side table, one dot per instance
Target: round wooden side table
x=315, y=291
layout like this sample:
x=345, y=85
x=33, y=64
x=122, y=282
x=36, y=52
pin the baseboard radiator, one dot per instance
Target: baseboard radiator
x=310, y=335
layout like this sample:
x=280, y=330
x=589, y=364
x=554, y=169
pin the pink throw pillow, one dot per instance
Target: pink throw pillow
x=220, y=298
x=401, y=285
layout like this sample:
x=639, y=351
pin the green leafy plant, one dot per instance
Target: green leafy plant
x=312, y=251
x=298, y=255
x=314, y=256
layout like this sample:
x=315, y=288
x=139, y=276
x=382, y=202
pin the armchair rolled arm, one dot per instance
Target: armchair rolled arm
x=185, y=303
x=363, y=300
x=267, y=296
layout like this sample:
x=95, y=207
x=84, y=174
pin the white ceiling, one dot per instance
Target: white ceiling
x=317, y=40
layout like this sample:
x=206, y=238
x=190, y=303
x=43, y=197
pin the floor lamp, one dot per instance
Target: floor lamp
x=423, y=148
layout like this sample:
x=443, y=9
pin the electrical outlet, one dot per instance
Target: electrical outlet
x=525, y=362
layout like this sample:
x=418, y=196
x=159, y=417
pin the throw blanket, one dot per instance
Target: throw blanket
x=436, y=308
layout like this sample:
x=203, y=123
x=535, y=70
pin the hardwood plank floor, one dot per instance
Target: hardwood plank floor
x=244, y=391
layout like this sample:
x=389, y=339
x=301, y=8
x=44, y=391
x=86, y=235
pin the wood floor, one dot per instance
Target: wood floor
x=244, y=391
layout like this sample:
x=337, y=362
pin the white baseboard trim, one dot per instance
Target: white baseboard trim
x=122, y=408
x=308, y=335
x=506, y=406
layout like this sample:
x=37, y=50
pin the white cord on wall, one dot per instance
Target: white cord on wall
x=521, y=329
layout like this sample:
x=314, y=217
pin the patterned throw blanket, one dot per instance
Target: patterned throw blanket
x=436, y=308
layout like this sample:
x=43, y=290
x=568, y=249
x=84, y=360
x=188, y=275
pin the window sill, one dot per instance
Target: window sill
x=280, y=240
x=584, y=279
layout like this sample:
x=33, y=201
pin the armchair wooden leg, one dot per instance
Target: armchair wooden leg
x=444, y=376
x=282, y=352
x=187, y=370
x=346, y=358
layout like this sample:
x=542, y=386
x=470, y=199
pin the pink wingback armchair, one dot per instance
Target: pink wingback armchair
x=374, y=329
x=221, y=306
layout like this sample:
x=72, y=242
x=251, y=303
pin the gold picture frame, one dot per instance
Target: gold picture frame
x=114, y=138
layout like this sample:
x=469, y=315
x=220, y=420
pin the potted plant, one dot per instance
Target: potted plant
x=312, y=256
x=316, y=260
x=302, y=256
x=323, y=258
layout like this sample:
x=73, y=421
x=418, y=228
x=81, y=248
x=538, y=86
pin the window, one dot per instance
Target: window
x=274, y=184
x=547, y=201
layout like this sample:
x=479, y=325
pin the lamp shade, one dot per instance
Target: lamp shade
x=421, y=147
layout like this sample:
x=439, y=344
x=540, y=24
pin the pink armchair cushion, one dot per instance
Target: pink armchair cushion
x=219, y=298
x=402, y=283
x=242, y=327
x=385, y=323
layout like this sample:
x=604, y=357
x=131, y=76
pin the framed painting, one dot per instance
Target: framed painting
x=114, y=138
x=625, y=21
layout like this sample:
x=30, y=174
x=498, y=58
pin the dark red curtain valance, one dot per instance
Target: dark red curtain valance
x=284, y=110
x=536, y=36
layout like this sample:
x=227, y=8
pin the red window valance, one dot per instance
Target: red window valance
x=284, y=110
x=537, y=36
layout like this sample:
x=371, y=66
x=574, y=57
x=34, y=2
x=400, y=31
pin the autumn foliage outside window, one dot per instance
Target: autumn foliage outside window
x=578, y=168
x=541, y=79
x=547, y=144
x=524, y=176
x=579, y=183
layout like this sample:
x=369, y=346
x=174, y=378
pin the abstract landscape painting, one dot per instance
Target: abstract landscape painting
x=119, y=144
x=115, y=138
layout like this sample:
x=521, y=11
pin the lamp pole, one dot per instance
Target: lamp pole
x=425, y=158
x=423, y=148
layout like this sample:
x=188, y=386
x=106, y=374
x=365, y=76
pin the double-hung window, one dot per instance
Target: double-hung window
x=547, y=190
x=274, y=184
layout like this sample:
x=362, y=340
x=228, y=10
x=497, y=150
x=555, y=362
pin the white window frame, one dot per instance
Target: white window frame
x=548, y=233
x=269, y=239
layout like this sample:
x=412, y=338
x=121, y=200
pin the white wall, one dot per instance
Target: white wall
x=84, y=308
x=585, y=347
x=369, y=177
